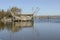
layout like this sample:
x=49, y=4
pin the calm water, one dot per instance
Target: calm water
x=42, y=29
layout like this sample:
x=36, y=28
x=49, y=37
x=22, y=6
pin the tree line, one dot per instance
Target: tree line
x=8, y=12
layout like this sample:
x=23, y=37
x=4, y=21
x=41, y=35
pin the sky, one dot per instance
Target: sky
x=47, y=7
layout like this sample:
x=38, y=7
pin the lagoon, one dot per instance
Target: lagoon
x=41, y=29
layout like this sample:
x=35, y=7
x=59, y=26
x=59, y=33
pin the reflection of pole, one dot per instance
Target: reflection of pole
x=10, y=35
x=13, y=27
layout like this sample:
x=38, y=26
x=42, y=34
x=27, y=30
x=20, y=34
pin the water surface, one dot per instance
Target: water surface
x=39, y=30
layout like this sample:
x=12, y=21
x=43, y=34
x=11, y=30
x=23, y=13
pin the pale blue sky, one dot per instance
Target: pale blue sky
x=47, y=7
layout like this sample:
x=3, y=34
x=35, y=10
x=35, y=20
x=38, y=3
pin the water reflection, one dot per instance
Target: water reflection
x=15, y=26
x=48, y=20
x=1, y=26
x=30, y=31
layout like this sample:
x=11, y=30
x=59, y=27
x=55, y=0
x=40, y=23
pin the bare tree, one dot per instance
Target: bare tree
x=15, y=10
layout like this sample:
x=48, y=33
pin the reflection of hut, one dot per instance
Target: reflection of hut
x=16, y=26
x=2, y=26
x=19, y=25
x=22, y=24
x=16, y=29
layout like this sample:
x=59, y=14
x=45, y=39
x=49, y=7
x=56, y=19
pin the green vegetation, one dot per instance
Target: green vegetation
x=7, y=13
